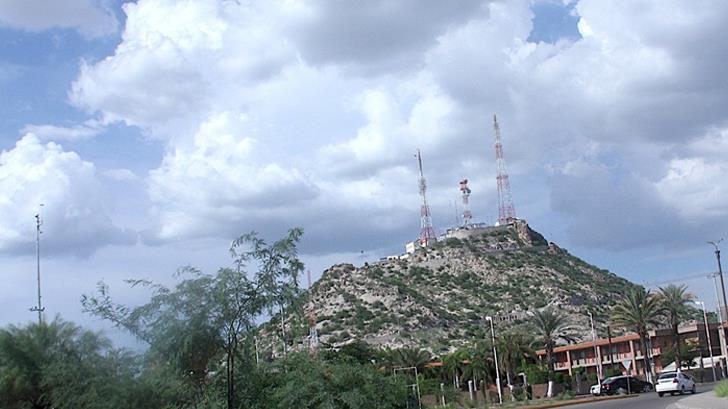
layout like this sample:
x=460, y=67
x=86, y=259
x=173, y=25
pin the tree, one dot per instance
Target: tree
x=357, y=351
x=208, y=314
x=60, y=365
x=639, y=310
x=308, y=383
x=675, y=300
x=513, y=347
x=549, y=326
x=407, y=358
x=455, y=365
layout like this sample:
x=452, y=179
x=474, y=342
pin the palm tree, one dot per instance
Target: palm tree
x=638, y=310
x=407, y=358
x=454, y=365
x=549, y=326
x=675, y=300
x=513, y=347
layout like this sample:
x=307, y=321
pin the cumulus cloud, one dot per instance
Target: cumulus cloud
x=374, y=37
x=92, y=18
x=163, y=71
x=217, y=181
x=75, y=218
x=293, y=113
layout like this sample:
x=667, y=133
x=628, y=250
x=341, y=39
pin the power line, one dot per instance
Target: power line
x=677, y=280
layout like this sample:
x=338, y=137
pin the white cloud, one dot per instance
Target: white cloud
x=217, y=181
x=268, y=118
x=92, y=18
x=696, y=188
x=87, y=130
x=163, y=71
x=75, y=218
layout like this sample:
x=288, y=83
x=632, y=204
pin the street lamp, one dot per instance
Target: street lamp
x=723, y=314
x=707, y=335
x=597, y=356
x=495, y=356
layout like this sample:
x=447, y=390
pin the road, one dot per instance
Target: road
x=648, y=400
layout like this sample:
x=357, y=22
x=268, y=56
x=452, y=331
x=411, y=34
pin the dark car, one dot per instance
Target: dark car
x=624, y=384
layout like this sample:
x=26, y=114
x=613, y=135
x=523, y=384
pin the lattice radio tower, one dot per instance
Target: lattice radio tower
x=427, y=232
x=313, y=339
x=506, y=211
x=465, y=190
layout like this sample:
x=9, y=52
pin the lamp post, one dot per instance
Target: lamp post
x=724, y=313
x=495, y=357
x=597, y=356
x=707, y=335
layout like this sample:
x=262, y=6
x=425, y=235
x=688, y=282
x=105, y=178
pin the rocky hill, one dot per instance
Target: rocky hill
x=438, y=297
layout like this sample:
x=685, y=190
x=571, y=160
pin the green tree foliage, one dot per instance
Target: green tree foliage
x=675, y=300
x=549, y=326
x=357, y=351
x=60, y=365
x=205, y=315
x=308, y=383
x=407, y=358
x=514, y=348
x=638, y=311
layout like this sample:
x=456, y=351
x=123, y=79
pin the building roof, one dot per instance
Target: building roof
x=691, y=327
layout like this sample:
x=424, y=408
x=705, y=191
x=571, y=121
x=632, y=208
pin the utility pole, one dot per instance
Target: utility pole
x=724, y=313
x=597, y=355
x=721, y=334
x=495, y=358
x=39, y=308
x=707, y=335
x=611, y=351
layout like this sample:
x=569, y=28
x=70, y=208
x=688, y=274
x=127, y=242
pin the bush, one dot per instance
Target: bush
x=306, y=382
x=535, y=374
x=721, y=390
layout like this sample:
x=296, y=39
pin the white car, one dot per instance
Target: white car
x=596, y=390
x=674, y=382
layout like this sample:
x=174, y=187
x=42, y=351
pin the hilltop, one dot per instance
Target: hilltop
x=438, y=297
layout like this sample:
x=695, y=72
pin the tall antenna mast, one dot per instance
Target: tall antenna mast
x=465, y=190
x=427, y=232
x=313, y=339
x=506, y=211
x=38, y=222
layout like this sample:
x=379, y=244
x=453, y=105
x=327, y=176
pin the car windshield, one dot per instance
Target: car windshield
x=668, y=375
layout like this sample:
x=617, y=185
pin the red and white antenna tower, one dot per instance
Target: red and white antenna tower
x=506, y=211
x=313, y=339
x=467, y=215
x=427, y=233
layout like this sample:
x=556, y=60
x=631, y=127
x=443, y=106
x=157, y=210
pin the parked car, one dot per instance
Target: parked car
x=644, y=386
x=596, y=390
x=674, y=382
x=624, y=384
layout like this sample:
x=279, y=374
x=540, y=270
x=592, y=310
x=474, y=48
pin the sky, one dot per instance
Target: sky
x=154, y=132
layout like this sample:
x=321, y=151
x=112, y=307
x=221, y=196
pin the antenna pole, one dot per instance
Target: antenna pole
x=427, y=232
x=38, y=222
x=506, y=211
x=467, y=214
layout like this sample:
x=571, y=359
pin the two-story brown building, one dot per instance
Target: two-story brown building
x=626, y=351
